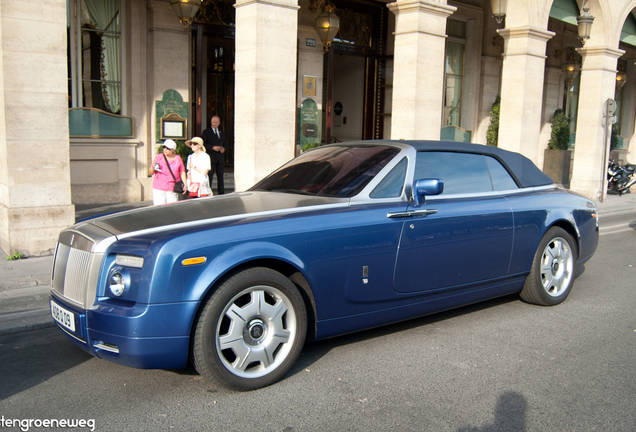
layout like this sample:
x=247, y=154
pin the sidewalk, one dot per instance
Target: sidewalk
x=25, y=284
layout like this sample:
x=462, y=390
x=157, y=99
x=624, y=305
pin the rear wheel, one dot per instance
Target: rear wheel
x=552, y=274
x=251, y=330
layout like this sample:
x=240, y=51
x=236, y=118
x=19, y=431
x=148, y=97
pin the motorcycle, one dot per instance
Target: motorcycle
x=620, y=177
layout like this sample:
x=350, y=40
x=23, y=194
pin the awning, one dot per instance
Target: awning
x=565, y=10
x=628, y=34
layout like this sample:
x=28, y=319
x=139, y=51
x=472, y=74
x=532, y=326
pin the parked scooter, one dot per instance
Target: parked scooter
x=620, y=177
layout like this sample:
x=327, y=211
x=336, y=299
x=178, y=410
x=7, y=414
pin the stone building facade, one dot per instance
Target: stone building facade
x=89, y=89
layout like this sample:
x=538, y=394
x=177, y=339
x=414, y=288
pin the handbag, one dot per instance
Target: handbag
x=193, y=190
x=199, y=190
x=193, y=187
x=179, y=187
x=205, y=189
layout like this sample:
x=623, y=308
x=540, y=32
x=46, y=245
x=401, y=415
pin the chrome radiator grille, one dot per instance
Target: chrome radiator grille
x=71, y=270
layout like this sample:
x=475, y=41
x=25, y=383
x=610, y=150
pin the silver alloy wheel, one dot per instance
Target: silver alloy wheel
x=557, y=264
x=255, y=331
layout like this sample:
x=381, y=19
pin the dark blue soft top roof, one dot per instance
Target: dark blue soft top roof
x=525, y=172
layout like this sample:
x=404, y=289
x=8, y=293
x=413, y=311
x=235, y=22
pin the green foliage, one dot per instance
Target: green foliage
x=16, y=256
x=560, y=136
x=492, y=136
x=182, y=150
x=614, y=139
x=309, y=146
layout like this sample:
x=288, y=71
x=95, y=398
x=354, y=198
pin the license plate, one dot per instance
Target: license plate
x=64, y=317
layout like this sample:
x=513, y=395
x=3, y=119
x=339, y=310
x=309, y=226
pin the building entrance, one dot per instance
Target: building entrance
x=213, y=80
x=358, y=96
x=355, y=74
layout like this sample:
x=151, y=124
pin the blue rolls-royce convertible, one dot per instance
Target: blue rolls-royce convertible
x=343, y=238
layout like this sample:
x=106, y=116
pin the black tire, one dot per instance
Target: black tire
x=251, y=330
x=553, y=268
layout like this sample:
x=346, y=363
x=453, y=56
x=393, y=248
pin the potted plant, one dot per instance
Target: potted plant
x=492, y=136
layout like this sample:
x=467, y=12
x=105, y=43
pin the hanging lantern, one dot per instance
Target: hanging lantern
x=185, y=10
x=499, y=9
x=584, y=22
x=571, y=67
x=621, y=77
x=327, y=25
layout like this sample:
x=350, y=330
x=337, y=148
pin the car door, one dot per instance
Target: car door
x=462, y=237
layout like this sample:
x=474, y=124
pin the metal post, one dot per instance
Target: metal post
x=609, y=108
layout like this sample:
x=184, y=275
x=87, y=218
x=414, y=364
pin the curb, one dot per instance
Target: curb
x=19, y=322
x=615, y=211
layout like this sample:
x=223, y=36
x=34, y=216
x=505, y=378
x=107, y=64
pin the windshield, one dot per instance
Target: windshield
x=331, y=171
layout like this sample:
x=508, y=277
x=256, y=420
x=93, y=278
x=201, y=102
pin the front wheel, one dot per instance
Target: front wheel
x=251, y=330
x=552, y=274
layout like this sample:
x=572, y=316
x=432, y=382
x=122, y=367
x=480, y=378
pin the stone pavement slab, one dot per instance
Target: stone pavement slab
x=25, y=287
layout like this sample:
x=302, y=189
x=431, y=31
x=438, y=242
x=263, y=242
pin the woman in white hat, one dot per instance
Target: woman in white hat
x=198, y=166
x=167, y=168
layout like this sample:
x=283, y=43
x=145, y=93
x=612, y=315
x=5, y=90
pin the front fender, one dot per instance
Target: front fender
x=240, y=254
x=192, y=282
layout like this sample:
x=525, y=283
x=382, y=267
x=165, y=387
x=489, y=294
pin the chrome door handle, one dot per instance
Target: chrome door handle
x=411, y=213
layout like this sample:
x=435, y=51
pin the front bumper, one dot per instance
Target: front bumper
x=141, y=336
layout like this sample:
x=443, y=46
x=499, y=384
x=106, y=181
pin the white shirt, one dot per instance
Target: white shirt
x=201, y=162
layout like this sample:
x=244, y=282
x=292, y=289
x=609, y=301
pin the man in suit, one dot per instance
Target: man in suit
x=214, y=142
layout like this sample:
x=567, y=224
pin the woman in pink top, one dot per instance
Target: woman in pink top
x=163, y=183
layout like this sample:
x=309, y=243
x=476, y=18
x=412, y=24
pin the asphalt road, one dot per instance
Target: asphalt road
x=502, y=365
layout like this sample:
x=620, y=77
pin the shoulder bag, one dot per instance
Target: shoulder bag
x=179, y=187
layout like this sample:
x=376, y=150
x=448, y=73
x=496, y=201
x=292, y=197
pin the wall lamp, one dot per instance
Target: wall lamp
x=327, y=25
x=499, y=9
x=185, y=10
x=584, y=22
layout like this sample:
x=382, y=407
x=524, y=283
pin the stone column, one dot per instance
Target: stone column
x=522, y=90
x=418, y=74
x=35, y=179
x=598, y=84
x=265, y=108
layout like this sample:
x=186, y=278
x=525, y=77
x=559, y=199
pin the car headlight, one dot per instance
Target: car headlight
x=117, y=284
x=121, y=282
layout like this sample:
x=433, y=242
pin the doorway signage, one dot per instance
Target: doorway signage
x=171, y=113
x=309, y=85
x=309, y=121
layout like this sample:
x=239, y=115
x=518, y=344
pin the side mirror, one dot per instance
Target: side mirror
x=424, y=187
